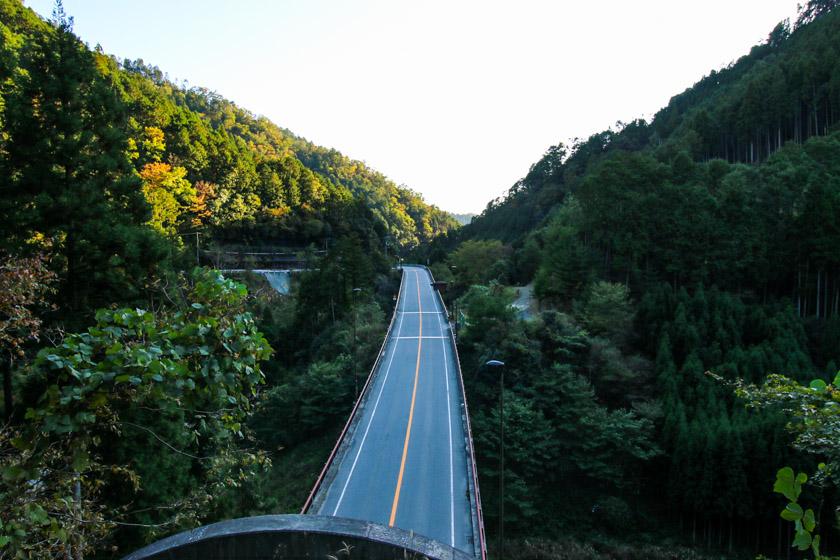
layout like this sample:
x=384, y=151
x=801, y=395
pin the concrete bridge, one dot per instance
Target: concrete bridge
x=260, y=257
x=401, y=480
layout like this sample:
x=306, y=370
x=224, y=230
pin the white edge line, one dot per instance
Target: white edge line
x=372, y=415
x=449, y=421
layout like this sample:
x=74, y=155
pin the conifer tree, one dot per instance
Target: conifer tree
x=67, y=179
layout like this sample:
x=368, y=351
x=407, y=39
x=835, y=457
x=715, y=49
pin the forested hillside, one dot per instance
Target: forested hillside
x=188, y=161
x=704, y=240
x=138, y=396
x=681, y=347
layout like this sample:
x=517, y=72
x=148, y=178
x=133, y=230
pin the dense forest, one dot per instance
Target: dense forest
x=671, y=262
x=187, y=160
x=670, y=387
x=143, y=395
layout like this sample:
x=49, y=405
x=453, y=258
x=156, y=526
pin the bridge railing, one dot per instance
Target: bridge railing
x=341, y=438
x=478, y=521
x=225, y=258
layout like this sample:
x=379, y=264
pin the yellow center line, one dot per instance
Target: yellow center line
x=410, y=411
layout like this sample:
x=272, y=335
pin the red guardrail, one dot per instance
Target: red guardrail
x=479, y=513
x=356, y=405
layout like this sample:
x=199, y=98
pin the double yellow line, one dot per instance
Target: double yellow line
x=410, y=410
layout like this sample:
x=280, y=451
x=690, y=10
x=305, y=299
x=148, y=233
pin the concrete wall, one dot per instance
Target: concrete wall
x=295, y=537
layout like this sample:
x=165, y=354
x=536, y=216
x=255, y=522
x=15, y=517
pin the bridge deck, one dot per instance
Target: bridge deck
x=406, y=463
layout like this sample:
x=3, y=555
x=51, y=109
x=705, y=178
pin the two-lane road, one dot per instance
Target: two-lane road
x=405, y=465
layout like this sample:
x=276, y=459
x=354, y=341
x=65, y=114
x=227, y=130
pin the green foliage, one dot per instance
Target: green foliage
x=488, y=310
x=813, y=410
x=607, y=310
x=475, y=262
x=564, y=269
x=272, y=186
x=706, y=217
x=319, y=398
x=319, y=332
x=195, y=368
x=136, y=150
x=169, y=195
x=672, y=201
x=556, y=429
x=67, y=182
x=790, y=487
x=195, y=356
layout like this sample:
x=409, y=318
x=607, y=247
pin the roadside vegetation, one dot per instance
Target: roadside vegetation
x=674, y=261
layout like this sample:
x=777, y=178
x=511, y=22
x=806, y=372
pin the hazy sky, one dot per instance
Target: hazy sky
x=454, y=98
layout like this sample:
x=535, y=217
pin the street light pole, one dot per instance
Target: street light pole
x=355, y=313
x=501, y=366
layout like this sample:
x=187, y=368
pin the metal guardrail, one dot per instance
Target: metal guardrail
x=472, y=474
x=362, y=394
x=307, y=536
x=479, y=521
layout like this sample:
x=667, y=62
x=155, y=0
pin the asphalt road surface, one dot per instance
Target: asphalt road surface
x=406, y=465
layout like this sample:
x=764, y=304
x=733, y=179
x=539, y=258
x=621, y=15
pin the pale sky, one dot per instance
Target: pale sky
x=453, y=98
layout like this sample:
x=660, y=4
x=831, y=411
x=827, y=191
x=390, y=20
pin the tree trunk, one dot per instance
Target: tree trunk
x=8, y=401
x=779, y=538
x=799, y=291
x=730, y=536
x=819, y=285
x=769, y=141
x=805, y=283
x=826, y=294
x=787, y=538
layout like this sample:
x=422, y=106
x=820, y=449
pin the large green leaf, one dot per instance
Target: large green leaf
x=808, y=520
x=792, y=512
x=785, y=484
x=803, y=540
x=81, y=461
x=818, y=385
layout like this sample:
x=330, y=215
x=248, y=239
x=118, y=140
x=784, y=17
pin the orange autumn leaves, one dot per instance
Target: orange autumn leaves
x=172, y=198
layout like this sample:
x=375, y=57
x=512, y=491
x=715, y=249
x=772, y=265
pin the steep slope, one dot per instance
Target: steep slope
x=211, y=166
x=704, y=241
x=785, y=90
